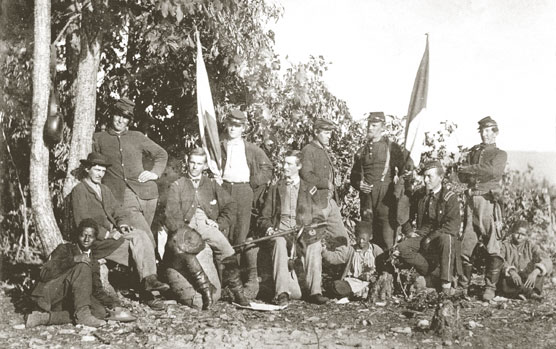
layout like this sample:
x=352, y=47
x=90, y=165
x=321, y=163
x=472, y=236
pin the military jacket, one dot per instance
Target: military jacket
x=486, y=164
x=436, y=213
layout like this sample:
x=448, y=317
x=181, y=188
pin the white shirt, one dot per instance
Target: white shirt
x=236, y=170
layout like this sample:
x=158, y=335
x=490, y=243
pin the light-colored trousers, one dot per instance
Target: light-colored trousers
x=285, y=280
x=211, y=235
x=335, y=225
x=141, y=212
x=139, y=246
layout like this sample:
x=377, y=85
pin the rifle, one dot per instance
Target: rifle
x=281, y=233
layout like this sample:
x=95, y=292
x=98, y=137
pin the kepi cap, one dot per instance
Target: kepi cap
x=96, y=158
x=376, y=116
x=324, y=124
x=431, y=164
x=124, y=107
x=487, y=122
x=237, y=117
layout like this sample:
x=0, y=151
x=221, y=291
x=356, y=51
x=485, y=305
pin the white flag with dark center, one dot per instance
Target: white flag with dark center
x=208, y=127
x=414, y=132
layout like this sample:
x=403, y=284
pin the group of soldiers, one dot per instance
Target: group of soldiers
x=114, y=205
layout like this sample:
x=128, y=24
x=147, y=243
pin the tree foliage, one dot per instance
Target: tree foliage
x=148, y=52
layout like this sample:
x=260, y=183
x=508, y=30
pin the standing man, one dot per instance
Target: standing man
x=198, y=202
x=132, y=185
x=289, y=204
x=247, y=171
x=319, y=172
x=438, y=220
x=374, y=174
x=483, y=174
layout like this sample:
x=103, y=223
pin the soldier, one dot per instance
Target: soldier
x=132, y=185
x=198, y=202
x=437, y=213
x=483, y=173
x=319, y=172
x=289, y=204
x=247, y=171
x=374, y=174
x=117, y=239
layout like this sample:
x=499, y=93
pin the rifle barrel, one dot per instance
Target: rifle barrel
x=281, y=233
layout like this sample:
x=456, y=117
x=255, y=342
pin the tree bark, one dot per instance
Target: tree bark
x=85, y=107
x=41, y=201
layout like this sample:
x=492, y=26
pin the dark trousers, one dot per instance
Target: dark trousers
x=70, y=291
x=507, y=288
x=441, y=254
x=243, y=196
x=379, y=207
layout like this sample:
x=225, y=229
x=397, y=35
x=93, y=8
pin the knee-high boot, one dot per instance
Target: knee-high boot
x=232, y=279
x=492, y=275
x=198, y=278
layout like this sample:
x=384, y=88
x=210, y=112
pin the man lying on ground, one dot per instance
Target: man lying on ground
x=69, y=284
x=525, y=265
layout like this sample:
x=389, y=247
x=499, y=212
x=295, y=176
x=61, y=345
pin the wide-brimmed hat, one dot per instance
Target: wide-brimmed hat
x=96, y=158
x=124, y=107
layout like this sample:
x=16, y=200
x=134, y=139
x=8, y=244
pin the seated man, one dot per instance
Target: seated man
x=525, y=265
x=289, y=204
x=437, y=213
x=360, y=260
x=198, y=202
x=71, y=278
x=116, y=240
x=184, y=270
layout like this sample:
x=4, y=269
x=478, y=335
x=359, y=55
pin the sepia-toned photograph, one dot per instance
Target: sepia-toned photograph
x=277, y=174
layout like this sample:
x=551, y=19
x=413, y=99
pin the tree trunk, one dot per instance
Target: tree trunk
x=41, y=201
x=85, y=107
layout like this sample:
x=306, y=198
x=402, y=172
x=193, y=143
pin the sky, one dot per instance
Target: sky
x=495, y=58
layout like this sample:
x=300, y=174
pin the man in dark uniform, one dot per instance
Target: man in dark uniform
x=319, y=172
x=133, y=186
x=375, y=171
x=198, y=202
x=246, y=173
x=437, y=213
x=483, y=173
x=289, y=204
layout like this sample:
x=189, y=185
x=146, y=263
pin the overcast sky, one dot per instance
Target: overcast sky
x=494, y=58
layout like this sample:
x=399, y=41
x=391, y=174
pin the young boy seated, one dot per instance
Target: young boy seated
x=525, y=265
x=70, y=284
x=360, y=259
